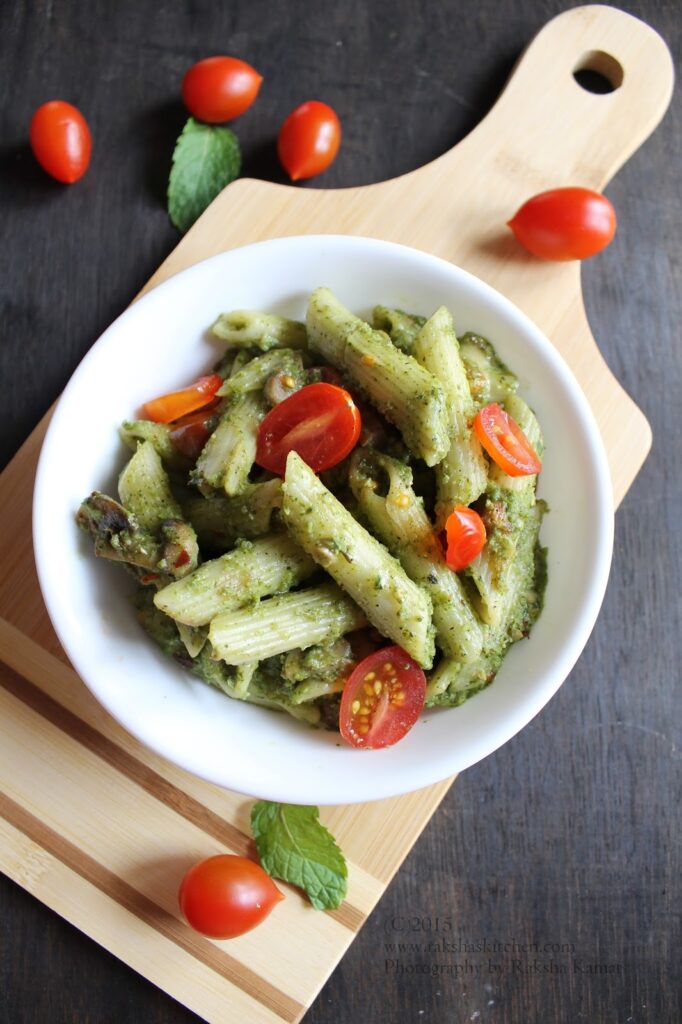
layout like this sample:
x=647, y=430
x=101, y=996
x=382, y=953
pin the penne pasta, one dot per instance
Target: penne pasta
x=321, y=577
x=407, y=394
x=359, y=563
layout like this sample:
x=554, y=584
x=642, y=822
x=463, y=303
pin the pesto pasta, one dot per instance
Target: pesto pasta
x=273, y=585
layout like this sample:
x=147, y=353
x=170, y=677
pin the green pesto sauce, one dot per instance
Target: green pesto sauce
x=225, y=522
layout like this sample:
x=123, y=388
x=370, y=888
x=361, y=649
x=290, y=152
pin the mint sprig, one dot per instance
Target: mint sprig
x=295, y=846
x=205, y=160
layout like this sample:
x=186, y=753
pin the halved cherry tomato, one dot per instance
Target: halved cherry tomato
x=382, y=699
x=320, y=422
x=226, y=895
x=505, y=442
x=170, y=407
x=61, y=141
x=309, y=140
x=466, y=535
x=190, y=433
x=220, y=88
x=565, y=224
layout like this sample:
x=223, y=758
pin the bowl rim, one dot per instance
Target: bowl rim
x=571, y=649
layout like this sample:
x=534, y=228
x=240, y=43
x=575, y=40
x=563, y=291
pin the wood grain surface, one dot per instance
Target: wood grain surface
x=566, y=837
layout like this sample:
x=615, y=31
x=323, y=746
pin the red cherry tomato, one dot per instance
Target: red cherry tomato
x=225, y=896
x=220, y=88
x=382, y=699
x=505, y=442
x=320, y=422
x=190, y=433
x=170, y=407
x=309, y=140
x=565, y=224
x=61, y=141
x=466, y=535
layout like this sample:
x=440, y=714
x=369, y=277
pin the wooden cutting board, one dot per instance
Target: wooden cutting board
x=99, y=828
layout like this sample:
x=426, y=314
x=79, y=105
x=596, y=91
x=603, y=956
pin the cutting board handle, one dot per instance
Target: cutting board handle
x=595, y=133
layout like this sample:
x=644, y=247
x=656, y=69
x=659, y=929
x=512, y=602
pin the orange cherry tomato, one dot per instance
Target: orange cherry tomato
x=565, y=224
x=320, y=422
x=226, y=895
x=170, y=407
x=465, y=532
x=61, y=141
x=220, y=88
x=309, y=140
x=505, y=442
x=382, y=699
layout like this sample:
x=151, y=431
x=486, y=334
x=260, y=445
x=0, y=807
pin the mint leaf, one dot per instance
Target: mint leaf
x=293, y=845
x=205, y=160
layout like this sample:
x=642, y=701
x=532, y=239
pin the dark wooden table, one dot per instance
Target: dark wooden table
x=567, y=837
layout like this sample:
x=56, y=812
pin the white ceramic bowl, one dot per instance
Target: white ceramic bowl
x=160, y=343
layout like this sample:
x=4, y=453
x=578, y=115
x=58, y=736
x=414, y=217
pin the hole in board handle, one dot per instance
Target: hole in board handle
x=598, y=72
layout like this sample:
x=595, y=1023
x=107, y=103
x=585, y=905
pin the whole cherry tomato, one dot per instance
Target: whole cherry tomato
x=382, y=699
x=220, y=88
x=565, y=224
x=61, y=140
x=320, y=422
x=226, y=895
x=505, y=442
x=465, y=532
x=309, y=140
